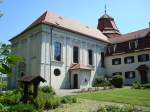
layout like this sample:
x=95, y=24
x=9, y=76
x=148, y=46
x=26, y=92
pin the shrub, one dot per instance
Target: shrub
x=46, y=101
x=146, y=86
x=47, y=89
x=117, y=81
x=68, y=99
x=100, y=82
x=40, y=101
x=112, y=108
x=136, y=85
x=52, y=102
x=11, y=97
x=3, y=108
x=22, y=108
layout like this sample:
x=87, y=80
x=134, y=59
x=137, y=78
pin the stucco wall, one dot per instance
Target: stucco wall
x=68, y=40
x=127, y=67
x=28, y=46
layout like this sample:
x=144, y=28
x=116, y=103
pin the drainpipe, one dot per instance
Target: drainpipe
x=51, y=39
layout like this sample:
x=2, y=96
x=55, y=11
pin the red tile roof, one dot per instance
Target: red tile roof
x=79, y=66
x=127, y=44
x=130, y=36
x=67, y=24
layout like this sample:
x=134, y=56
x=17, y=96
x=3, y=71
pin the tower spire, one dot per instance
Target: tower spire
x=105, y=9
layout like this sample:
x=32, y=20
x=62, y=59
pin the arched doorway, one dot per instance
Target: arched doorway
x=143, y=74
x=75, y=81
x=143, y=70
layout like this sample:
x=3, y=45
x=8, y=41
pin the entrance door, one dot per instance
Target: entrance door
x=75, y=80
x=143, y=74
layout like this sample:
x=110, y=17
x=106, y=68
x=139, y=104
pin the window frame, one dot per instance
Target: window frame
x=90, y=60
x=140, y=56
x=128, y=73
x=77, y=55
x=60, y=49
x=132, y=60
x=115, y=59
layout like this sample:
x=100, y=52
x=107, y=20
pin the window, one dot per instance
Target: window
x=143, y=57
x=57, y=72
x=132, y=45
x=102, y=59
x=128, y=60
x=75, y=54
x=130, y=75
x=90, y=57
x=116, y=61
x=57, y=51
x=4, y=81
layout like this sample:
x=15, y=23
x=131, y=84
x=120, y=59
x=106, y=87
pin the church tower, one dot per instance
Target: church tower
x=107, y=26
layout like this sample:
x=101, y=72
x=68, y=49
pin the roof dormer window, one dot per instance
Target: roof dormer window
x=133, y=44
x=114, y=47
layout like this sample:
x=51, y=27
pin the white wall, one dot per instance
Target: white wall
x=126, y=67
x=68, y=40
x=28, y=46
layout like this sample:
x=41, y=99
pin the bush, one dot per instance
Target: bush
x=68, y=99
x=52, y=102
x=117, y=81
x=47, y=89
x=3, y=108
x=100, y=82
x=146, y=86
x=112, y=108
x=40, y=101
x=22, y=108
x=46, y=101
x=136, y=85
x=11, y=97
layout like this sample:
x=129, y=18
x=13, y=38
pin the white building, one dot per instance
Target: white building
x=69, y=54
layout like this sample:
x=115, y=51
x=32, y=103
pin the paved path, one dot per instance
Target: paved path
x=64, y=92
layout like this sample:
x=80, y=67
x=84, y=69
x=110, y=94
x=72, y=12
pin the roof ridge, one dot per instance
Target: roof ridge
x=136, y=31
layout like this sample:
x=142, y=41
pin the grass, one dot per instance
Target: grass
x=124, y=95
x=84, y=105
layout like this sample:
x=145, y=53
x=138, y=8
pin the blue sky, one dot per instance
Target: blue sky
x=130, y=15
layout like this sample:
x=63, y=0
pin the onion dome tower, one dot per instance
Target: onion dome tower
x=107, y=26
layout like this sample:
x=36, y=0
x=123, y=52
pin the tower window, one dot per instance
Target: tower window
x=90, y=57
x=75, y=54
x=57, y=51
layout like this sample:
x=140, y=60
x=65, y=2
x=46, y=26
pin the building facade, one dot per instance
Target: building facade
x=69, y=54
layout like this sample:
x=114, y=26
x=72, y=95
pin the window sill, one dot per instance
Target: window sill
x=59, y=62
x=91, y=66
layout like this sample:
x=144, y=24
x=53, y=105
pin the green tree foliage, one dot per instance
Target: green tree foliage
x=7, y=60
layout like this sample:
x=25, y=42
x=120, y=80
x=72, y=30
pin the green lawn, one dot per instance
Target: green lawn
x=125, y=95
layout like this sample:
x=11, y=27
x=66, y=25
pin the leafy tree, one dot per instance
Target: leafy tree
x=7, y=60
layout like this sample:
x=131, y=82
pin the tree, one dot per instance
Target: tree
x=7, y=60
